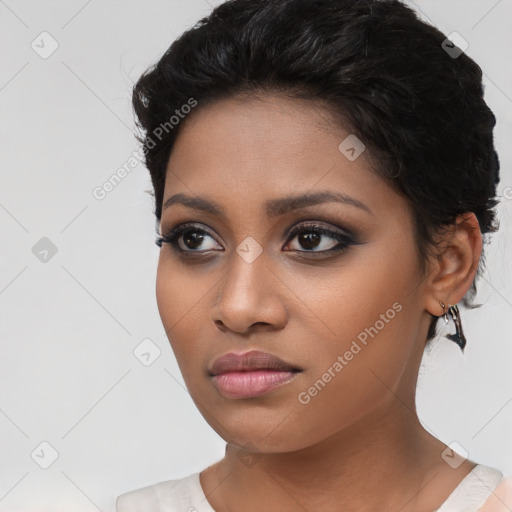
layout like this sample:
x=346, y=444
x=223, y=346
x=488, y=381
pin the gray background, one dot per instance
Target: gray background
x=69, y=324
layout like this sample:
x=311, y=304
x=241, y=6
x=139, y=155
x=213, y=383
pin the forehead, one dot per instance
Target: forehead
x=246, y=151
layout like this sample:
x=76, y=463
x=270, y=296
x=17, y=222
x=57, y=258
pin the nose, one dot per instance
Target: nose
x=250, y=295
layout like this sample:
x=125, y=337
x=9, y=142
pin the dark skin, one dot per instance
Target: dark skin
x=358, y=443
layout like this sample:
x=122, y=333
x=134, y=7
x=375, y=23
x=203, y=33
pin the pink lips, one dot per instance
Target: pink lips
x=251, y=374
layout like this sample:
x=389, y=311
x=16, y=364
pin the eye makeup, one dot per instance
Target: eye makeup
x=310, y=236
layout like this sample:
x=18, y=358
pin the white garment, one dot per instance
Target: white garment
x=186, y=494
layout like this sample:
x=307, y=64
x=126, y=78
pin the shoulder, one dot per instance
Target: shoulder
x=474, y=491
x=501, y=498
x=167, y=496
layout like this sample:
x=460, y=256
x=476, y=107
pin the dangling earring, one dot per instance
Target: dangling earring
x=445, y=316
x=458, y=337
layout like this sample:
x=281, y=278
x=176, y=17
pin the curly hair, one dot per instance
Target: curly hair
x=380, y=71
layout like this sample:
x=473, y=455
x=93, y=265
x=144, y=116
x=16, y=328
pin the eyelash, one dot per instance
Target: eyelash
x=172, y=237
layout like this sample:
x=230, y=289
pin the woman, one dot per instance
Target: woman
x=323, y=172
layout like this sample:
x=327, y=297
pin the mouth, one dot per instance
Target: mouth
x=250, y=361
x=251, y=374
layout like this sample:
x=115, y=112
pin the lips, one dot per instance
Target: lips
x=250, y=375
x=250, y=361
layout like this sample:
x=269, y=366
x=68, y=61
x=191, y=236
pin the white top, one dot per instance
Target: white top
x=186, y=494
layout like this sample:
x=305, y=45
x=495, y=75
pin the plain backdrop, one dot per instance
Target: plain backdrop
x=82, y=418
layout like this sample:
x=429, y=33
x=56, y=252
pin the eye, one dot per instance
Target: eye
x=311, y=238
x=314, y=238
x=187, y=238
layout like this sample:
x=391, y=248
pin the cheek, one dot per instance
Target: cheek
x=169, y=301
x=365, y=296
x=179, y=291
x=165, y=287
x=181, y=311
x=369, y=308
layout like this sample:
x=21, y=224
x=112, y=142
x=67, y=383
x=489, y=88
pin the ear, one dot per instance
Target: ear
x=453, y=268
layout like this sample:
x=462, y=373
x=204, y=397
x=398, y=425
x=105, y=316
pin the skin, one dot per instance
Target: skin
x=358, y=443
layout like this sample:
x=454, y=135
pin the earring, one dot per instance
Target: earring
x=445, y=316
x=458, y=337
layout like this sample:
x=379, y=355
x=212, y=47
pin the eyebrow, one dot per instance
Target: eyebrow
x=274, y=207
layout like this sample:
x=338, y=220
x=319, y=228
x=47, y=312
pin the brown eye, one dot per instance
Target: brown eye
x=315, y=238
x=192, y=239
x=187, y=238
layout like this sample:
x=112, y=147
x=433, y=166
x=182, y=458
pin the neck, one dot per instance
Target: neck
x=382, y=462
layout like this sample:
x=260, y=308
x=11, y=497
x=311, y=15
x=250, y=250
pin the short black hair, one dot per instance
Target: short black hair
x=414, y=103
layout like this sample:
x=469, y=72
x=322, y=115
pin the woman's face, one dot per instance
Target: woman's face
x=353, y=320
